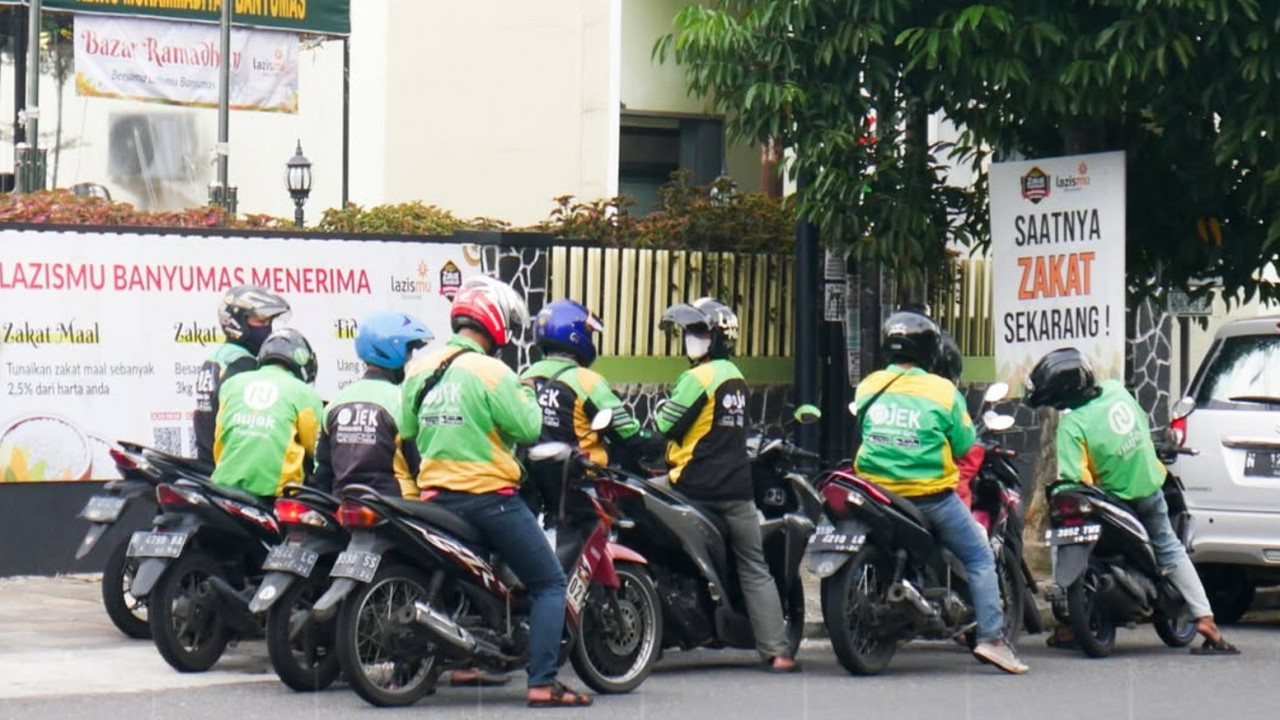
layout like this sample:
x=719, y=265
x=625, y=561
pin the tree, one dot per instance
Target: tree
x=1188, y=88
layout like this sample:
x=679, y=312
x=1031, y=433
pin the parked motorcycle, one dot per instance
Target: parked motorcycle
x=425, y=597
x=690, y=555
x=886, y=578
x=198, y=568
x=1105, y=571
x=296, y=571
x=141, y=469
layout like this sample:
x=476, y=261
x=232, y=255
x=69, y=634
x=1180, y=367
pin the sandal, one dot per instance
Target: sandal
x=794, y=667
x=1221, y=647
x=562, y=696
x=476, y=678
x=1056, y=641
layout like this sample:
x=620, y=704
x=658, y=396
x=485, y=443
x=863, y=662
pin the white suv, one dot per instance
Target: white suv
x=1232, y=416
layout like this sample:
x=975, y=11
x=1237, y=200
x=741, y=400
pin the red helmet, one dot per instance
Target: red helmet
x=490, y=306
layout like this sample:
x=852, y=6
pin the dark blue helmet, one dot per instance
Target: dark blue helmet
x=386, y=339
x=566, y=326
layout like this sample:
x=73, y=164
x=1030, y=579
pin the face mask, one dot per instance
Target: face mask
x=254, y=336
x=696, y=347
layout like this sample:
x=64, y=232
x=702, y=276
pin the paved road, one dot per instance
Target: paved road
x=59, y=658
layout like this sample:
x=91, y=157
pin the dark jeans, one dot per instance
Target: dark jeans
x=513, y=531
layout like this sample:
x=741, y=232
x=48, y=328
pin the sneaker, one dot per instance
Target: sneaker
x=1001, y=655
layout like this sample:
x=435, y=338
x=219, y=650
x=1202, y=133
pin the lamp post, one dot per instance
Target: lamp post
x=298, y=179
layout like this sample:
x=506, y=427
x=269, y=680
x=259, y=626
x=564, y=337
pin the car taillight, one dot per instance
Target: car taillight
x=296, y=513
x=1178, y=429
x=170, y=496
x=354, y=515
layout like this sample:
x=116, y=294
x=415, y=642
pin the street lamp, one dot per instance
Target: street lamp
x=298, y=179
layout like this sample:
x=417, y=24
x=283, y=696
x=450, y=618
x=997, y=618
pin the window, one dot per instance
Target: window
x=651, y=147
x=1243, y=373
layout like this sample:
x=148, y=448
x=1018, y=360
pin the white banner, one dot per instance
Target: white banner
x=101, y=334
x=1058, y=256
x=178, y=63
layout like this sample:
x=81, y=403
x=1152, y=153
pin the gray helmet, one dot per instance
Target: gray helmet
x=706, y=315
x=250, y=302
x=289, y=348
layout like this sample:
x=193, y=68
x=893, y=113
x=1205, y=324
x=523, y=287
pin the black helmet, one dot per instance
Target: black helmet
x=1062, y=379
x=250, y=302
x=910, y=337
x=708, y=316
x=949, y=363
x=289, y=348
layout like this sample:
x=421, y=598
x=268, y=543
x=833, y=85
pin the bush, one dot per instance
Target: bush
x=62, y=207
x=412, y=218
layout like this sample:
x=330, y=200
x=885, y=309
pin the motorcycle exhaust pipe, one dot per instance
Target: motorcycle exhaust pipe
x=902, y=592
x=443, y=628
x=234, y=603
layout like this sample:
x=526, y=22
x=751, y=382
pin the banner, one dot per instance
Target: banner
x=1058, y=254
x=102, y=334
x=178, y=64
x=321, y=17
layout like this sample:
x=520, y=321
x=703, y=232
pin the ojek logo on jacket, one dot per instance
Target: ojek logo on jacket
x=893, y=415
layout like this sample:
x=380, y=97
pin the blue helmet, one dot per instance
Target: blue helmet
x=566, y=325
x=386, y=338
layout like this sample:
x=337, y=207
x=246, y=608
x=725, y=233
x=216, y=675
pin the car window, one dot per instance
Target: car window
x=1243, y=374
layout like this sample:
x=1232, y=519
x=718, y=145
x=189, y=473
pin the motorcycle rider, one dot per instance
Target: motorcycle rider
x=246, y=314
x=705, y=423
x=570, y=394
x=360, y=441
x=1105, y=440
x=466, y=410
x=914, y=426
x=268, y=419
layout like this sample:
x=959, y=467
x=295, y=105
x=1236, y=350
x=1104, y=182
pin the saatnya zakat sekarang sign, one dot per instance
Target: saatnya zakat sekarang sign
x=179, y=63
x=1058, y=256
x=102, y=335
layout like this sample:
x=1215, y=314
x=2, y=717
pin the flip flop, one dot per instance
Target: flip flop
x=771, y=668
x=1222, y=647
x=562, y=696
x=1054, y=641
x=480, y=679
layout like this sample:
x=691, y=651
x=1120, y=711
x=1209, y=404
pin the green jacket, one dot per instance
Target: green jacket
x=913, y=432
x=569, y=397
x=1107, y=442
x=467, y=425
x=268, y=421
x=705, y=422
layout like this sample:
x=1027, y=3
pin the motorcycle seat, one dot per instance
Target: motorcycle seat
x=266, y=504
x=908, y=508
x=662, y=487
x=440, y=517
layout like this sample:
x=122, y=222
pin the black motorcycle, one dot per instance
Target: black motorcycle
x=199, y=567
x=1105, y=571
x=296, y=571
x=690, y=555
x=886, y=578
x=141, y=469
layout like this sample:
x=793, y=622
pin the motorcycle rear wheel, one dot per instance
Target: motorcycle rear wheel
x=849, y=599
x=618, y=661
x=185, y=626
x=307, y=662
x=378, y=657
x=127, y=613
x=1091, y=621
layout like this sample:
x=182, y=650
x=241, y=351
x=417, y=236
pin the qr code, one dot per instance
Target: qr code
x=168, y=439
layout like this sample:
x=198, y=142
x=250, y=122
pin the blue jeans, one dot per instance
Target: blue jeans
x=1153, y=511
x=513, y=531
x=964, y=537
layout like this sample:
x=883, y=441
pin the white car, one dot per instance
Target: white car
x=1232, y=416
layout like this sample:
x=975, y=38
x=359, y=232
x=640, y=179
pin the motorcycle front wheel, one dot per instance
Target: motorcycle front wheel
x=383, y=658
x=127, y=613
x=617, y=646
x=1177, y=631
x=850, y=598
x=185, y=624
x=301, y=650
x=1090, y=618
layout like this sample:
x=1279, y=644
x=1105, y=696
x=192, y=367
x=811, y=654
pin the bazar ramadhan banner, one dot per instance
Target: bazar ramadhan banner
x=1058, y=255
x=101, y=337
x=323, y=17
x=179, y=64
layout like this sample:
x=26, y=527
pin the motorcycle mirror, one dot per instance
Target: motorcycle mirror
x=602, y=420
x=542, y=452
x=853, y=408
x=996, y=422
x=996, y=391
x=806, y=414
x=1183, y=407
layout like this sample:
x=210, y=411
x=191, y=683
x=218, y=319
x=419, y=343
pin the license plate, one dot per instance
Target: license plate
x=157, y=544
x=103, y=509
x=359, y=566
x=577, y=590
x=828, y=539
x=1073, y=535
x=291, y=558
x=1260, y=463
